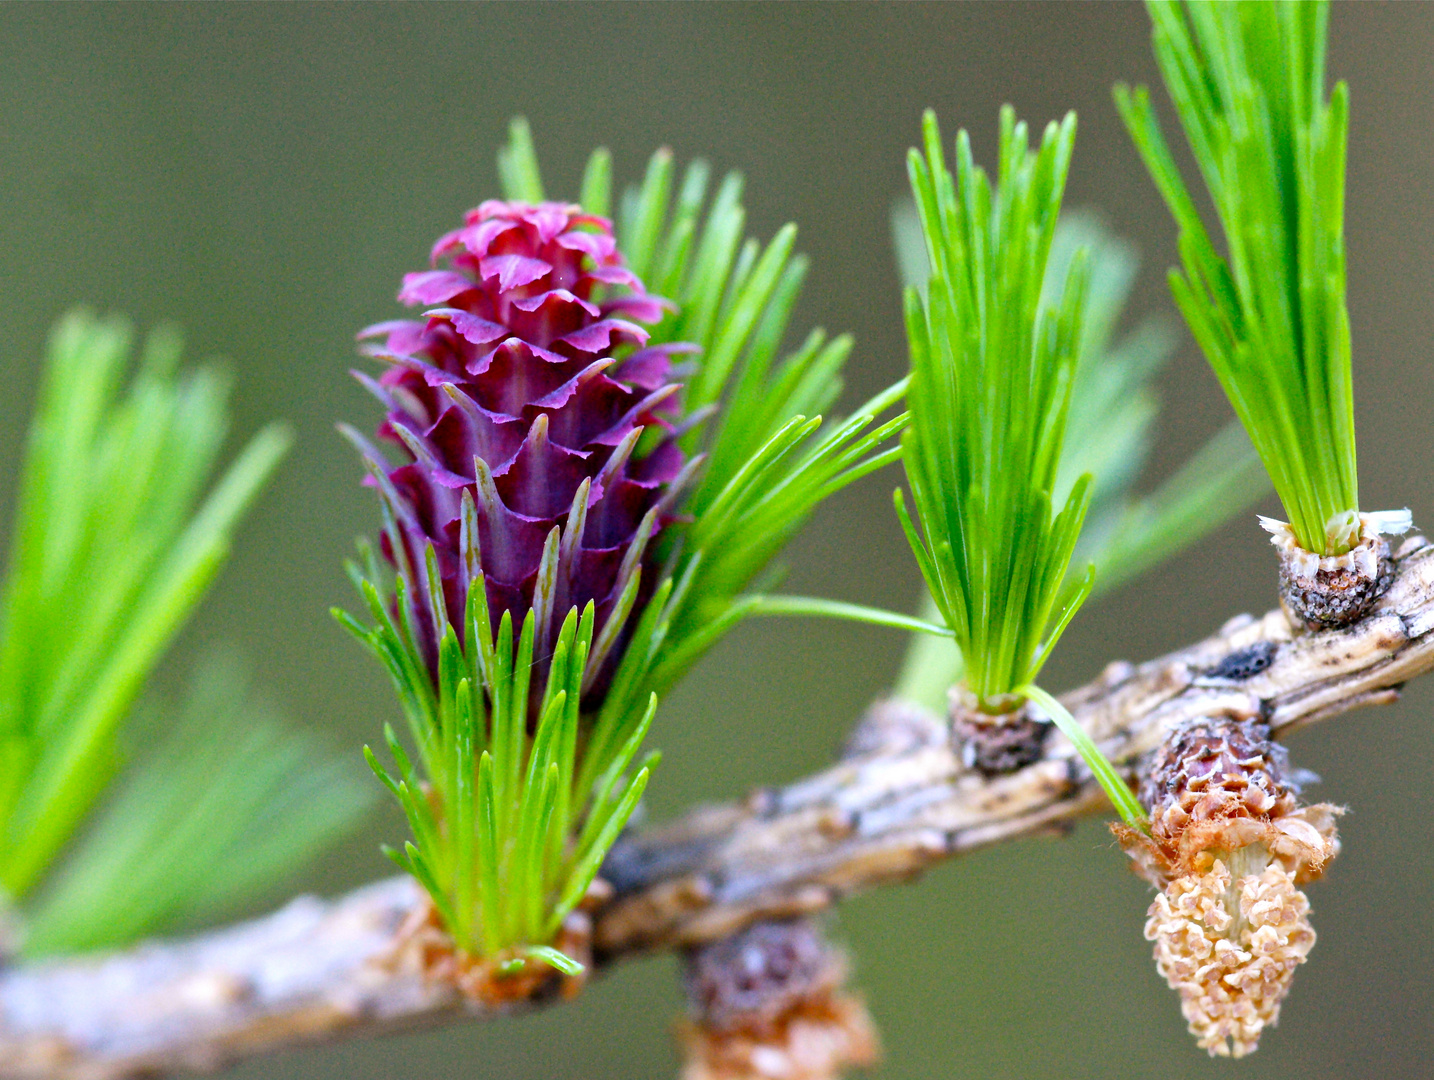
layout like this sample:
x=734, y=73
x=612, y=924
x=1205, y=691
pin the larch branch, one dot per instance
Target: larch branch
x=901, y=800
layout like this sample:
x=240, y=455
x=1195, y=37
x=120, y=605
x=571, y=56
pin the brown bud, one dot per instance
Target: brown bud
x=767, y=1004
x=1220, y=784
x=1209, y=772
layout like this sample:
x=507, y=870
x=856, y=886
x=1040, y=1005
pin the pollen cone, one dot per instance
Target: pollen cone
x=1229, y=846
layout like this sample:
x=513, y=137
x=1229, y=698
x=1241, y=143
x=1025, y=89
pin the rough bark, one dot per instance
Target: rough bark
x=900, y=801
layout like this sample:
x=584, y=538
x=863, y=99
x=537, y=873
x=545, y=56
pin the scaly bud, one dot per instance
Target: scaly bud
x=767, y=1004
x=996, y=743
x=1326, y=592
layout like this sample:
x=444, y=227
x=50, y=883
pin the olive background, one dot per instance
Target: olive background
x=263, y=175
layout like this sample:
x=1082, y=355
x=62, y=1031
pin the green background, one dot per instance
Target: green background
x=265, y=174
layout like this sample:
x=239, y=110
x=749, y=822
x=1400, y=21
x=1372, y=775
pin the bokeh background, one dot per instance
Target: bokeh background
x=263, y=175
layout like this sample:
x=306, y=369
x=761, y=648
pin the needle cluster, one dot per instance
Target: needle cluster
x=122, y=523
x=992, y=373
x=510, y=825
x=591, y=476
x=1248, y=82
x=991, y=377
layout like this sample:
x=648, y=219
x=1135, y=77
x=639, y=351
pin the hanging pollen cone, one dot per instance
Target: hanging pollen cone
x=1229, y=846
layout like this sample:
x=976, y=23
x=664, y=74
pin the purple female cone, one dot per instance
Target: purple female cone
x=530, y=385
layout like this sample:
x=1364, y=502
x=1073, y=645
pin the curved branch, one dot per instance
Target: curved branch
x=901, y=800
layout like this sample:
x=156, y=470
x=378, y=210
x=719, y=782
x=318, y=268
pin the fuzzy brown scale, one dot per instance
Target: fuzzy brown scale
x=767, y=1004
x=424, y=948
x=1228, y=846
